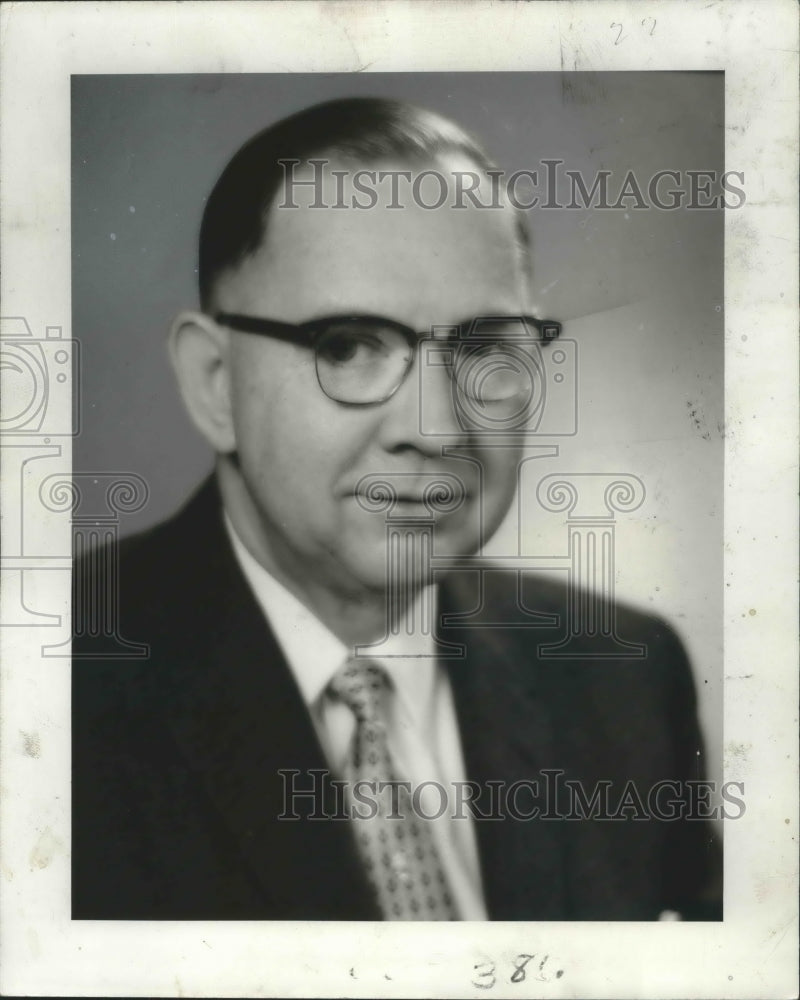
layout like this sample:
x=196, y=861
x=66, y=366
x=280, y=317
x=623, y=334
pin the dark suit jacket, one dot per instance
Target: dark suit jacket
x=176, y=757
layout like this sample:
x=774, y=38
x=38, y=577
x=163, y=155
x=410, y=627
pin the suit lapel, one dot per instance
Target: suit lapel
x=506, y=737
x=239, y=719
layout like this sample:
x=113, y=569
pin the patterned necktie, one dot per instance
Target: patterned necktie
x=396, y=846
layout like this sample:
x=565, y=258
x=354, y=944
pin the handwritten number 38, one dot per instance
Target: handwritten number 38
x=485, y=972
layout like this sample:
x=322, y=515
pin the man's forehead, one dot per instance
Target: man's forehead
x=447, y=209
x=332, y=246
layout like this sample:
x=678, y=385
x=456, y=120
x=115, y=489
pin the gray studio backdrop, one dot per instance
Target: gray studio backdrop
x=640, y=290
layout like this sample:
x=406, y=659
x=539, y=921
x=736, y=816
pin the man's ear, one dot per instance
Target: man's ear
x=198, y=349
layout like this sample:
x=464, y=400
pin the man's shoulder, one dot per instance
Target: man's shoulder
x=154, y=586
x=185, y=542
x=184, y=535
x=539, y=601
x=541, y=631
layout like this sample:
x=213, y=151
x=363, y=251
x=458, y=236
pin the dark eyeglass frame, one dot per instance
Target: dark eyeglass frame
x=305, y=334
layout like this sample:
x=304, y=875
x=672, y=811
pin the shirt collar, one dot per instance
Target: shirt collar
x=314, y=653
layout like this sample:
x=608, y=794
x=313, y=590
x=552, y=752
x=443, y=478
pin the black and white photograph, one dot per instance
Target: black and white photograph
x=389, y=542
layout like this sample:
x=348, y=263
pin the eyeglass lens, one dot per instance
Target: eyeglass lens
x=360, y=362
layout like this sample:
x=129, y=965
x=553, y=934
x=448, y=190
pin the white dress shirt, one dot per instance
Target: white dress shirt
x=422, y=730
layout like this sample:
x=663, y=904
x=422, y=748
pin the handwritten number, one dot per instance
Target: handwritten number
x=485, y=977
x=651, y=21
x=487, y=974
x=519, y=968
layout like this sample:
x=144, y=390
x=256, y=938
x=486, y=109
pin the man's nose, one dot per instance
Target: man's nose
x=423, y=413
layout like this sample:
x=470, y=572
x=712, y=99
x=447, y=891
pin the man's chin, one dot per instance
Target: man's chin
x=407, y=562
x=379, y=578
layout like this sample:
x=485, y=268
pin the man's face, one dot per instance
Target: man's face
x=301, y=454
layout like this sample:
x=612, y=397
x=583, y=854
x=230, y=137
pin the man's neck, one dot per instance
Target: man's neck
x=356, y=615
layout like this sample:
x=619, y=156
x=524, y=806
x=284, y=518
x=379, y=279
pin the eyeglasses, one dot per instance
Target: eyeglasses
x=363, y=360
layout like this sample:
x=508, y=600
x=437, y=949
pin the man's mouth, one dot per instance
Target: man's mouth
x=406, y=503
x=431, y=495
x=371, y=499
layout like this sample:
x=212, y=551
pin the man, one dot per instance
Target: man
x=279, y=752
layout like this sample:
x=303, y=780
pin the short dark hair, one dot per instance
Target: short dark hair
x=366, y=129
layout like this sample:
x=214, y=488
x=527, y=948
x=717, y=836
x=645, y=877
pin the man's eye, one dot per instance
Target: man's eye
x=350, y=346
x=497, y=352
x=492, y=349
